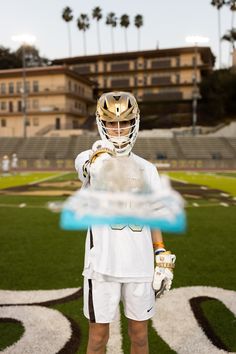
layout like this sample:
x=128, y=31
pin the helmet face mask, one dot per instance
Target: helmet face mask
x=117, y=118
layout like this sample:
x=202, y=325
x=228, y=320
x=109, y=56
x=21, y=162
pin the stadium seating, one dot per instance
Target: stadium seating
x=152, y=148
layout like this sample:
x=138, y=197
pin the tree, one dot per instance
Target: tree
x=97, y=14
x=219, y=4
x=218, y=92
x=124, y=22
x=68, y=17
x=230, y=36
x=83, y=25
x=111, y=20
x=32, y=56
x=12, y=60
x=138, y=22
x=9, y=60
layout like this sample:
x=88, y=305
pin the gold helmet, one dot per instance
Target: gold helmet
x=118, y=107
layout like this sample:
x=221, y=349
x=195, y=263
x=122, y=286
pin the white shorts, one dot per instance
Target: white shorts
x=101, y=300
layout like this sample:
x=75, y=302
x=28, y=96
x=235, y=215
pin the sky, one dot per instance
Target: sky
x=166, y=25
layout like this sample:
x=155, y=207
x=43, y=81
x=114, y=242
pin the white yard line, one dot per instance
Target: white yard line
x=178, y=180
x=21, y=206
x=48, y=178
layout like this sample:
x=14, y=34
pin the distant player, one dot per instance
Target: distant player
x=5, y=164
x=14, y=163
x=119, y=259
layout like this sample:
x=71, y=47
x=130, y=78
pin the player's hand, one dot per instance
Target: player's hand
x=101, y=151
x=163, y=274
x=101, y=148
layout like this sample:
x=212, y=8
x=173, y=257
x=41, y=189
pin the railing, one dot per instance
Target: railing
x=45, y=130
x=50, y=89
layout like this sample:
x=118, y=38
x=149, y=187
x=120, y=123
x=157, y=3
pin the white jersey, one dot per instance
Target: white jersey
x=5, y=165
x=14, y=162
x=122, y=253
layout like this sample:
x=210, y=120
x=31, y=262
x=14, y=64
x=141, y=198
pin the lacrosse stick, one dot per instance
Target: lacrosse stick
x=120, y=195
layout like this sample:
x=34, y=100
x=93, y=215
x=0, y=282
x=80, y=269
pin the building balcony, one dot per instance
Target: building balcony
x=47, y=110
x=50, y=91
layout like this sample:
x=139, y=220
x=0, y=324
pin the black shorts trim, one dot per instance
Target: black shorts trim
x=90, y=302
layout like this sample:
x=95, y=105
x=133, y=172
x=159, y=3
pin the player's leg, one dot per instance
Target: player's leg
x=98, y=338
x=139, y=306
x=138, y=333
x=101, y=303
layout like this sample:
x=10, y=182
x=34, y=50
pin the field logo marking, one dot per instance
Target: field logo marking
x=45, y=330
x=176, y=324
x=49, y=331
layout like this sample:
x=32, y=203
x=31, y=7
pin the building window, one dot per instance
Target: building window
x=19, y=106
x=122, y=82
x=3, y=89
x=35, y=104
x=69, y=85
x=10, y=105
x=120, y=66
x=3, y=106
x=82, y=69
x=27, y=86
x=58, y=123
x=3, y=123
x=177, y=78
x=11, y=87
x=35, y=121
x=35, y=86
x=18, y=87
x=161, y=63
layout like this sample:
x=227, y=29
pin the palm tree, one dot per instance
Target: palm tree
x=83, y=25
x=230, y=36
x=232, y=5
x=218, y=4
x=97, y=14
x=111, y=20
x=138, y=22
x=67, y=16
x=124, y=22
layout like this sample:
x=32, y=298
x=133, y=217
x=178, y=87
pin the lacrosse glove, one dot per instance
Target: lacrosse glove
x=101, y=151
x=163, y=274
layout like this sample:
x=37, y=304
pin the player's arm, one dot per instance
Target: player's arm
x=164, y=265
x=88, y=163
x=81, y=163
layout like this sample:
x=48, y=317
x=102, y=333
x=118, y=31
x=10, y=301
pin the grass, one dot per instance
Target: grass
x=225, y=183
x=36, y=254
x=25, y=178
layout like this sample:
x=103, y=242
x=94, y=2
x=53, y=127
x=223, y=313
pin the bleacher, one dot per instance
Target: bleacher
x=212, y=151
x=205, y=148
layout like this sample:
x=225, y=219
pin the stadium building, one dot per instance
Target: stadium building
x=56, y=98
x=61, y=104
x=155, y=77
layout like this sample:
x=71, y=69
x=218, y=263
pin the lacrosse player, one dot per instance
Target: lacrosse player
x=5, y=164
x=14, y=163
x=119, y=259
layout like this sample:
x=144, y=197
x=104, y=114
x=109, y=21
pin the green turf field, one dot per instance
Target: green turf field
x=36, y=254
x=224, y=182
x=27, y=177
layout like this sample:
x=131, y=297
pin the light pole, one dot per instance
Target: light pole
x=24, y=40
x=195, y=93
